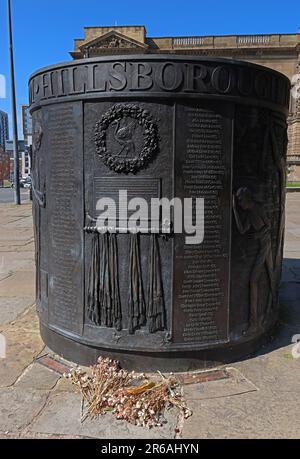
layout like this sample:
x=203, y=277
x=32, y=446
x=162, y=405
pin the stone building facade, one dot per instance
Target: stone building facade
x=4, y=166
x=280, y=52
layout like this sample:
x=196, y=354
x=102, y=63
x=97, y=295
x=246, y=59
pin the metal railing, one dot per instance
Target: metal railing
x=216, y=40
x=188, y=41
x=253, y=40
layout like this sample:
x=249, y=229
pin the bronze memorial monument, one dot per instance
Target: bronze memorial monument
x=158, y=126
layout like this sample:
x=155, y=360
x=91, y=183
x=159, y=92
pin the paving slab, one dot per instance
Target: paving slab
x=15, y=260
x=234, y=384
x=20, y=283
x=19, y=407
x=5, y=274
x=44, y=379
x=63, y=385
x=9, y=234
x=23, y=344
x=12, y=307
x=62, y=416
x=35, y=436
x=17, y=246
x=244, y=416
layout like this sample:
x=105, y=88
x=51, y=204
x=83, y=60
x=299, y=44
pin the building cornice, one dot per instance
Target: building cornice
x=202, y=45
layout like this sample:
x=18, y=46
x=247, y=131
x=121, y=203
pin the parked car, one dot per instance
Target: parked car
x=25, y=182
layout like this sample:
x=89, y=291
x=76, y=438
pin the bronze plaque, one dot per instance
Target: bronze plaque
x=202, y=271
x=65, y=215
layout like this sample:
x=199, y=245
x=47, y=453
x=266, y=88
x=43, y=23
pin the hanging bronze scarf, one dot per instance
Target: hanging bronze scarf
x=136, y=304
x=156, y=311
x=104, y=282
x=114, y=280
x=93, y=304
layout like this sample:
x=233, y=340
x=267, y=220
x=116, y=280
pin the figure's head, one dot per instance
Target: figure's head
x=37, y=136
x=244, y=197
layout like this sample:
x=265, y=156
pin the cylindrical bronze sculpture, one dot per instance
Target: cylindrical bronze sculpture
x=152, y=127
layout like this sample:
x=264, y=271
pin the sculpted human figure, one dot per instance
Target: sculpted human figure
x=37, y=141
x=39, y=198
x=255, y=222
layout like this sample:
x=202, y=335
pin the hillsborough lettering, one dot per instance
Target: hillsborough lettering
x=158, y=77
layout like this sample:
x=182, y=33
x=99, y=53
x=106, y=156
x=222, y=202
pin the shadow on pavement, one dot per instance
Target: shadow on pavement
x=289, y=313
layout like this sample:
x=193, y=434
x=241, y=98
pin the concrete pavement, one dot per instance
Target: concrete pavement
x=256, y=398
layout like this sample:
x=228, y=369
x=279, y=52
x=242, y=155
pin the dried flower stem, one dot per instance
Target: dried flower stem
x=128, y=395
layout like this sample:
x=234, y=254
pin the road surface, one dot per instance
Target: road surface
x=7, y=195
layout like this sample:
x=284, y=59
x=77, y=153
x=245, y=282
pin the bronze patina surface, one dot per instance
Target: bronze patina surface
x=158, y=126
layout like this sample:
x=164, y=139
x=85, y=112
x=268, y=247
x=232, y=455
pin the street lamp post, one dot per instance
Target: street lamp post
x=13, y=110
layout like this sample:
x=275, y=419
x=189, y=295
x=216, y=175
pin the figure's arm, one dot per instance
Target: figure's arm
x=90, y=218
x=242, y=227
x=39, y=195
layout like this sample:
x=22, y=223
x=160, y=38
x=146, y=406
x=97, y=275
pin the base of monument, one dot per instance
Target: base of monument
x=85, y=355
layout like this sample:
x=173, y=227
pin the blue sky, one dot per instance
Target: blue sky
x=44, y=29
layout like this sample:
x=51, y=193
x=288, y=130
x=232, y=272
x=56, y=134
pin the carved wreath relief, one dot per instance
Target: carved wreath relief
x=126, y=138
